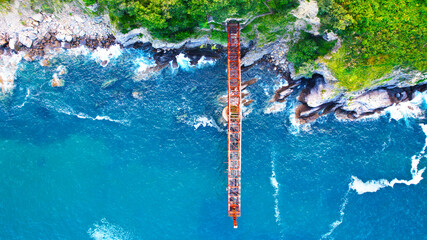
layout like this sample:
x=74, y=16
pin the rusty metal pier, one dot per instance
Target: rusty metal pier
x=234, y=120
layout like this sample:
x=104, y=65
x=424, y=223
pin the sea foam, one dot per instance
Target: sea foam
x=8, y=68
x=184, y=62
x=374, y=185
x=107, y=231
x=104, y=55
x=275, y=185
x=203, y=121
x=97, y=118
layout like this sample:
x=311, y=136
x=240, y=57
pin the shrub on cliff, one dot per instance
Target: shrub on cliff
x=174, y=20
x=307, y=49
x=378, y=35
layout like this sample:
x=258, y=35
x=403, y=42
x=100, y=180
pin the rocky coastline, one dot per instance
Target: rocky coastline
x=39, y=36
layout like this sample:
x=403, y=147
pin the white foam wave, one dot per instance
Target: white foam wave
x=104, y=55
x=203, y=121
x=107, y=231
x=8, y=68
x=81, y=50
x=184, y=62
x=275, y=108
x=374, y=185
x=275, y=184
x=25, y=99
x=338, y=222
x=203, y=61
x=97, y=118
x=142, y=71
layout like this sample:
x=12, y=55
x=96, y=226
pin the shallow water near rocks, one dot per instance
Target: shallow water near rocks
x=87, y=162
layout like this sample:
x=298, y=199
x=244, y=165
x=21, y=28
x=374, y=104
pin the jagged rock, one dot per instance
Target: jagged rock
x=68, y=38
x=282, y=93
x=318, y=92
x=45, y=62
x=25, y=41
x=13, y=42
x=369, y=102
x=249, y=82
x=136, y=95
x=56, y=81
x=61, y=70
x=37, y=17
x=28, y=57
x=345, y=115
x=305, y=114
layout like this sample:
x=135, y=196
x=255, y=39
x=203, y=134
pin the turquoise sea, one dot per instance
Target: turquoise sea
x=145, y=159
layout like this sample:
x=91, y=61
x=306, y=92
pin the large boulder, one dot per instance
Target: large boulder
x=369, y=102
x=25, y=41
x=37, y=17
x=13, y=42
x=318, y=92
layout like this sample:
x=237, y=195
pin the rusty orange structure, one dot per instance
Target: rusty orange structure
x=234, y=120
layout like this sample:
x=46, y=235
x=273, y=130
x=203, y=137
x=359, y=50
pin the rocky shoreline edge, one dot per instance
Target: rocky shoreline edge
x=317, y=96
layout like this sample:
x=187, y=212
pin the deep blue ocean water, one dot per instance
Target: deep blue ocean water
x=86, y=162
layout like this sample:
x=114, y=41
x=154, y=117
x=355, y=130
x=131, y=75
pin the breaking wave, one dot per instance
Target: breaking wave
x=203, y=121
x=341, y=218
x=275, y=184
x=107, y=231
x=184, y=62
x=104, y=55
x=97, y=118
x=374, y=185
x=410, y=109
x=8, y=68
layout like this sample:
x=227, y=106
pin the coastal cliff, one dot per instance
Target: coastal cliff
x=38, y=36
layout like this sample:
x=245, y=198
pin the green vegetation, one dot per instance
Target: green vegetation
x=4, y=5
x=378, y=35
x=307, y=49
x=175, y=20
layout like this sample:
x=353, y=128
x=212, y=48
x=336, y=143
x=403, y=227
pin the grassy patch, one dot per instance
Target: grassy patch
x=358, y=77
x=377, y=36
x=219, y=36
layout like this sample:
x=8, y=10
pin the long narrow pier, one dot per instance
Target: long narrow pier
x=234, y=120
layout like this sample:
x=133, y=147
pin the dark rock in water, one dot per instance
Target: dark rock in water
x=328, y=108
x=345, y=115
x=174, y=64
x=420, y=88
x=141, y=45
x=108, y=83
x=249, y=82
x=281, y=94
x=247, y=102
x=66, y=45
x=196, y=53
x=305, y=114
x=104, y=63
x=163, y=57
